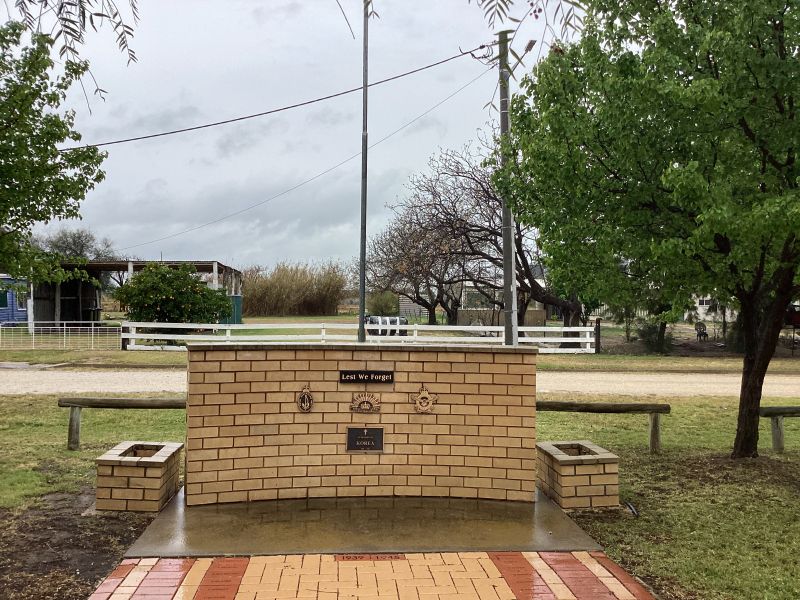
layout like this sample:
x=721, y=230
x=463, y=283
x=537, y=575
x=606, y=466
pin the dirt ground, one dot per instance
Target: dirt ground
x=29, y=381
x=51, y=552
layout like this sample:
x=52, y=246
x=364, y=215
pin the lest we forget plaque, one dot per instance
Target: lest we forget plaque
x=362, y=376
x=365, y=439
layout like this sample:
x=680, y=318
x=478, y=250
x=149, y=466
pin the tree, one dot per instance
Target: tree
x=457, y=201
x=417, y=264
x=79, y=243
x=39, y=183
x=161, y=294
x=667, y=139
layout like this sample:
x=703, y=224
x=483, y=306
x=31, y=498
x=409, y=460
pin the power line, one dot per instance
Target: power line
x=315, y=177
x=281, y=109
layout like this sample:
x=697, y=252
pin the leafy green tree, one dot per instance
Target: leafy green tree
x=383, y=304
x=161, y=294
x=667, y=139
x=39, y=183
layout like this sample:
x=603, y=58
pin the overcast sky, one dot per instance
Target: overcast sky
x=200, y=63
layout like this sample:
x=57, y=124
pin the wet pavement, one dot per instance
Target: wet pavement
x=404, y=576
x=359, y=525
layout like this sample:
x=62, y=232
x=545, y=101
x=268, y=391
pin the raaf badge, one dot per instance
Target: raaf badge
x=424, y=401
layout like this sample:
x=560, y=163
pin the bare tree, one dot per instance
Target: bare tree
x=456, y=201
x=416, y=264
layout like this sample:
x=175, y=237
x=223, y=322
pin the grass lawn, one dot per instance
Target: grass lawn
x=708, y=528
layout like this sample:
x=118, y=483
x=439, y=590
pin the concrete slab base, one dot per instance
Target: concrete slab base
x=359, y=525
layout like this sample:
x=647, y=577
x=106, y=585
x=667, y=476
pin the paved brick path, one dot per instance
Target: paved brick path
x=446, y=576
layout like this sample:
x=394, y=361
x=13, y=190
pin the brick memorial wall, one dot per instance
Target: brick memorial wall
x=430, y=421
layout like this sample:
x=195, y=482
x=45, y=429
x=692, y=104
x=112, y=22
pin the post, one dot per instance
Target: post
x=597, y=335
x=655, y=433
x=777, y=434
x=31, y=308
x=74, y=432
x=57, y=303
x=215, y=276
x=509, y=250
x=362, y=257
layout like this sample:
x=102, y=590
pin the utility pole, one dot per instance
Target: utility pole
x=509, y=251
x=362, y=260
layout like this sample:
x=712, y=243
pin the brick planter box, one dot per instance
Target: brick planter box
x=578, y=474
x=138, y=476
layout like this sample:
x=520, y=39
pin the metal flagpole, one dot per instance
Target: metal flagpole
x=362, y=262
x=509, y=251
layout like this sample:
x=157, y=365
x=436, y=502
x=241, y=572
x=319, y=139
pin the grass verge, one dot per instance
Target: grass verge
x=709, y=528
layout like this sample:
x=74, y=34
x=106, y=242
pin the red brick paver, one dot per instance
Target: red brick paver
x=429, y=576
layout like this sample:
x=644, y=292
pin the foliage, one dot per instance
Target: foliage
x=68, y=20
x=39, y=183
x=78, y=243
x=293, y=289
x=162, y=294
x=659, y=152
x=383, y=304
x=654, y=336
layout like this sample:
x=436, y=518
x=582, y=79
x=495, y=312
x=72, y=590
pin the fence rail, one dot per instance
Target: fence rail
x=173, y=336
x=59, y=335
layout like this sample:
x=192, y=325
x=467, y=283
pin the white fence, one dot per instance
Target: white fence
x=59, y=335
x=173, y=336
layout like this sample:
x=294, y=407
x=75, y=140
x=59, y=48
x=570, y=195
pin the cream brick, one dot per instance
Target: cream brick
x=449, y=452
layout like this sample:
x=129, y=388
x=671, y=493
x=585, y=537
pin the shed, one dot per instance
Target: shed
x=13, y=300
x=81, y=301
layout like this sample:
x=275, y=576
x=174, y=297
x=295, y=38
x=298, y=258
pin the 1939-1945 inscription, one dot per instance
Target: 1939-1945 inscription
x=366, y=376
x=365, y=439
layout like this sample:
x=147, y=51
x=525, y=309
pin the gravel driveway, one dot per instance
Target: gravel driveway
x=34, y=381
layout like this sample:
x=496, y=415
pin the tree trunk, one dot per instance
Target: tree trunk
x=661, y=337
x=432, y=315
x=451, y=311
x=761, y=325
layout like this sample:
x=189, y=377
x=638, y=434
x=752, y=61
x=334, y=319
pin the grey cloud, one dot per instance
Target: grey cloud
x=239, y=138
x=426, y=124
x=328, y=117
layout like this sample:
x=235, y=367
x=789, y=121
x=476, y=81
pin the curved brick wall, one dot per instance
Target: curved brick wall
x=247, y=439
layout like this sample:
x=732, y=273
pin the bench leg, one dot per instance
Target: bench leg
x=777, y=434
x=655, y=433
x=74, y=433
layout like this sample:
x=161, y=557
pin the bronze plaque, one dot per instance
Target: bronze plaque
x=366, y=376
x=365, y=439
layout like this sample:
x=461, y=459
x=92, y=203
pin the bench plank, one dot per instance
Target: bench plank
x=654, y=410
x=779, y=411
x=602, y=407
x=76, y=404
x=122, y=402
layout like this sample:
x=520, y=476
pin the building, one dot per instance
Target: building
x=13, y=300
x=81, y=300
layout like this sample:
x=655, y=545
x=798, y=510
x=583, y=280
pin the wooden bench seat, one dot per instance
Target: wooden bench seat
x=654, y=410
x=75, y=406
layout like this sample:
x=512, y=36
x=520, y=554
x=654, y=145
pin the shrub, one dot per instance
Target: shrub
x=384, y=304
x=650, y=334
x=293, y=289
x=162, y=294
